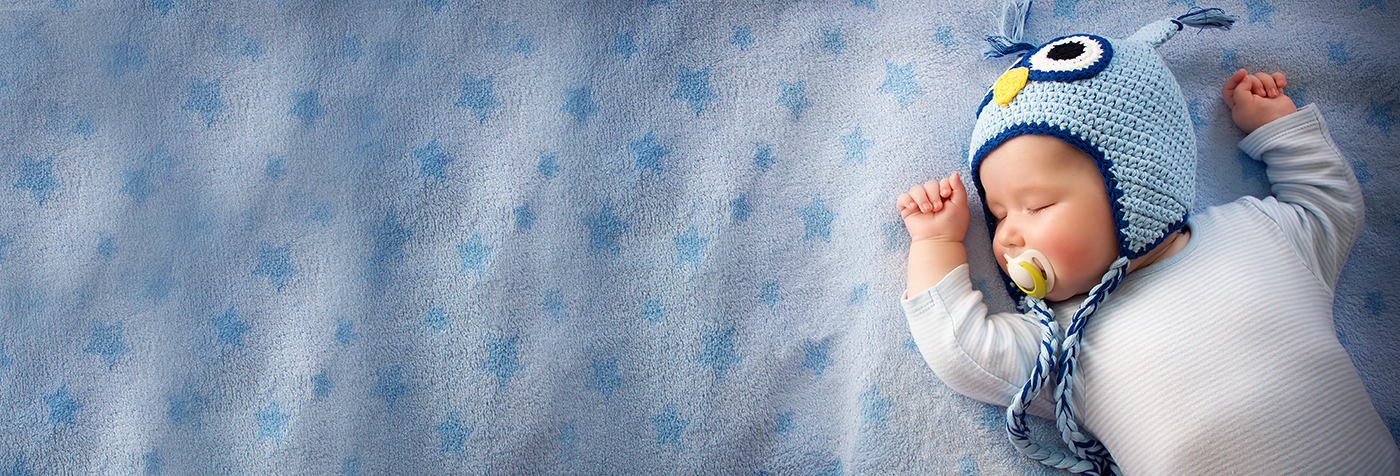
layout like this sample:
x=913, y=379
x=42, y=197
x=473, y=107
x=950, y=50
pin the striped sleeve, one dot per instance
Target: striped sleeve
x=1316, y=199
x=985, y=357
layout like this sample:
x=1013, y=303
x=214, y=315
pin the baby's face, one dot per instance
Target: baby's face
x=1047, y=195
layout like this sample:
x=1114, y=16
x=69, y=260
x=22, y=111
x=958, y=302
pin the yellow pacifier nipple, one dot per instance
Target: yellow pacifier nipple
x=1031, y=272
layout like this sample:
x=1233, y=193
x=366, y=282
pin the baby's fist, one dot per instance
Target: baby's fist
x=1256, y=99
x=936, y=210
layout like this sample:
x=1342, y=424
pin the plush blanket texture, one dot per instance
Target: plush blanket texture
x=364, y=237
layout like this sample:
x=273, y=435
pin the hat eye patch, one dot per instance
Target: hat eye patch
x=1069, y=58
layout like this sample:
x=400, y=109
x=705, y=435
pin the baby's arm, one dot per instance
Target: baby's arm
x=1316, y=199
x=936, y=216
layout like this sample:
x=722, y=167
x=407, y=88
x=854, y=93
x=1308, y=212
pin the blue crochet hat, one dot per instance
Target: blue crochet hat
x=1116, y=101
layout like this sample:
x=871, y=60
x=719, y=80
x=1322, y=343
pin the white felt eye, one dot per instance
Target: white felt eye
x=1070, y=58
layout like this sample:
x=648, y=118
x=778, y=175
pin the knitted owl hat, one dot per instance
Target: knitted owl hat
x=1116, y=101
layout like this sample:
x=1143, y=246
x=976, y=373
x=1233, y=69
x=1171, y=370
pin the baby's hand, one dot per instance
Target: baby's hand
x=936, y=210
x=1256, y=99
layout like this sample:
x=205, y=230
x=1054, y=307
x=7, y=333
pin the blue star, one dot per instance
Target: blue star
x=4, y=242
x=568, y=435
x=579, y=103
x=944, y=36
x=453, y=434
x=252, y=48
x=860, y=294
x=818, y=357
x=719, y=351
x=968, y=467
x=107, y=246
x=993, y=417
x=61, y=406
x=651, y=312
x=321, y=384
x=1065, y=8
x=694, y=88
x=1197, y=120
x=624, y=45
x=139, y=185
x=1382, y=116
x=785, y=424
x=649, y=153
x=1259, y=11
x=431, y=160
x=554, y=306
x=353, y=47
x=834, y=469
x=605, y=377
x=604, y=229
x=275, y=263
x=204, y=99
x=228, y=329
x=874, y=406
x=187, y=407
x=4, y=359
x=856, y=146
x=389, y=385
x=740, y=208
x=436, y=5
x=1337, y=53
x=763, y=156
x=153, y=462
x=549, y=165
x=271, y=422
x=816, y=219
x=768, y=294
x=477, y=95
x=895, y=236
x=1230, y=60
x=1375, y=302
x=308, y=108
x=436, y=319
x=794, y=96
x=525, y=45
x=345, y=332
x=502, y=358
x=19, y=469
x=350, y=467
x=389, y=239
x=864, y=3
x=106, y=341
x=124, y=58
x=473, y=255
x=274, y=169
x=85, y=127
x=1363, y=173
x=669, y=426
x=1364, y=5
x=524, y=217
x=36, y=176
x=741, y=37
x=689, y=246
x=899, y=81
x=831, y=40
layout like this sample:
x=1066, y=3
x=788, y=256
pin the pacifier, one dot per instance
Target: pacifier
x=1031, y=272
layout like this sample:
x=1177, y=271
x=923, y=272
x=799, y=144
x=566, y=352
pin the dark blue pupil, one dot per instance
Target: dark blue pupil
x=1066, y=51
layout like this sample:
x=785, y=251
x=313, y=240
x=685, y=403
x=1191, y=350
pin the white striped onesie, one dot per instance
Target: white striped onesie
x=1220, y=359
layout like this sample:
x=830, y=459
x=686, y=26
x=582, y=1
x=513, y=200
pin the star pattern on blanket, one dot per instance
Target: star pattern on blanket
x=387, y=251
x=739, y=208
x=271, y=422
x=874, y=406
x=652, y=311
x=478, y=96
x=794, y=96
x=604, y=230
x=228, y=330
x=693, y=86
x=831, y=41
x=718, y=351
x=625, y=45
x=579, y=103
x=784, y=424
x=1337, y=54
x=106, y=342
x=899, y=82
x=436, y=318
x=817, y=357
x=524, y=218
x=502, y=358
x=1066, y=8
x=856, y=146
x=649, y=153
x=690, y=246
x=153, y=462
x=1382, y=115
x=389, y=385
x=62, y=406
x=669, y=426
x=768, y=294
x=205, y=100
x=275, y=263
x=345, y=332
x=741, y=37
x=605, y=377
x=36, y=176
x=452, y=434
x=1260, y=11
x=473, y=253
x=321, y=384
x=307, y=108
x=816, y=220
x=123, y=58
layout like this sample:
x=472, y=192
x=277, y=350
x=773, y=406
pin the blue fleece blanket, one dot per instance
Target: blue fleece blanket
x=368, y=237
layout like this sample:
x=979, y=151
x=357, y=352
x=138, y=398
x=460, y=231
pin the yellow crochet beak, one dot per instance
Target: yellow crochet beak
x=1009, y=85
